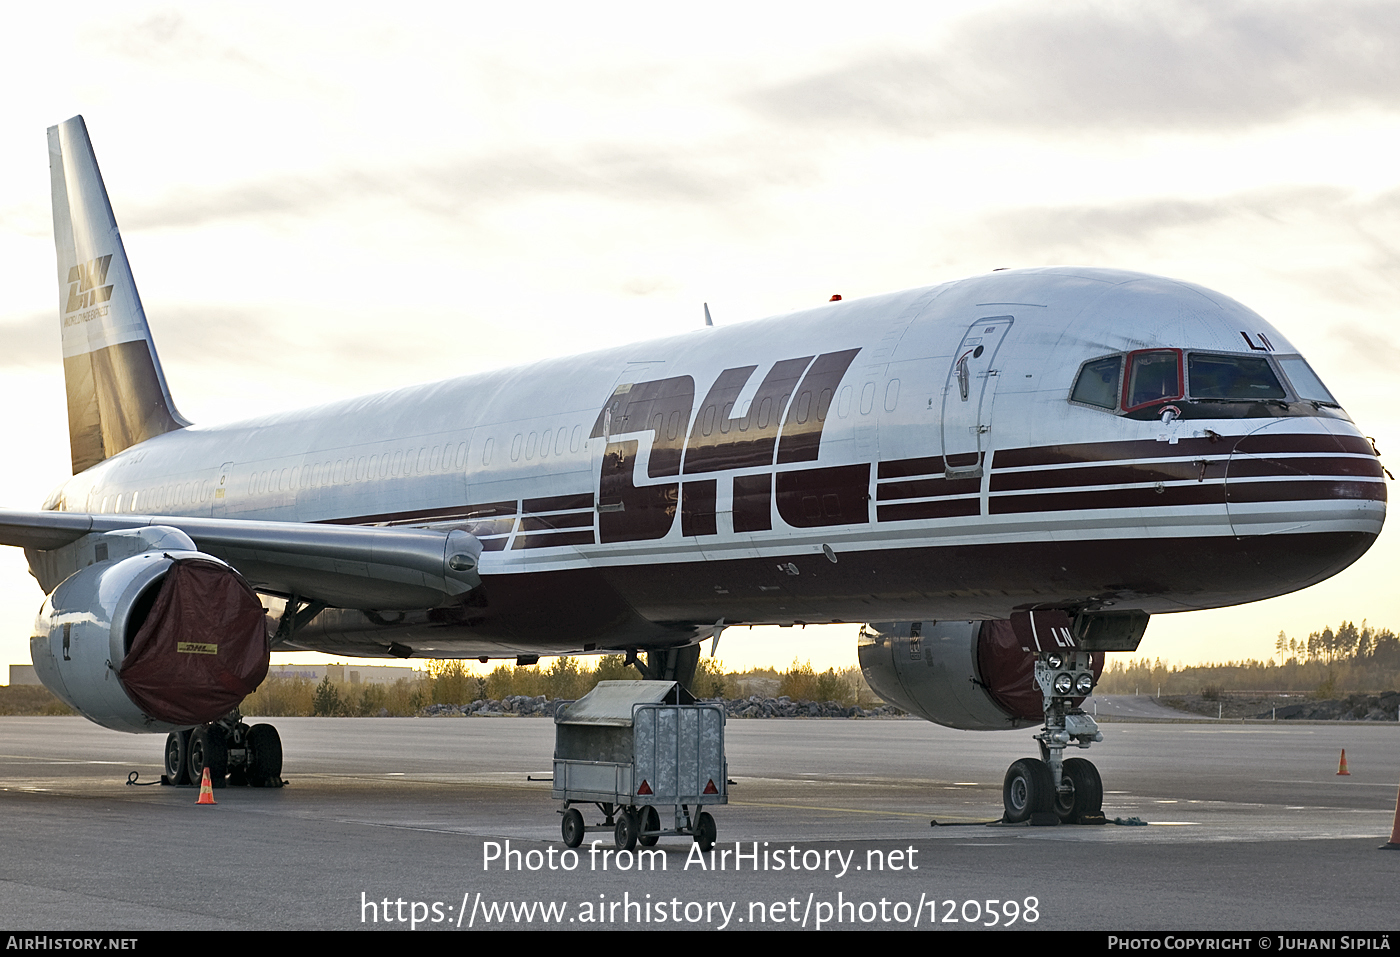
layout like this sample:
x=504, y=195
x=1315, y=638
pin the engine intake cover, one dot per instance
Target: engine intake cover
x=202, y=649
x=153, y=642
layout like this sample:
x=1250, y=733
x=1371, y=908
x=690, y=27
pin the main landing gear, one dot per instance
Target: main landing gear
x=234, y=753
x=1052, y=789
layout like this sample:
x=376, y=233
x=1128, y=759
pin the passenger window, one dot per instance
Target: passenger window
x=1153, y=376
x=867, y=398
x=1232, y=377
x=843, y=406
x=804, y=406
x=1098, y=382
x=891, y=395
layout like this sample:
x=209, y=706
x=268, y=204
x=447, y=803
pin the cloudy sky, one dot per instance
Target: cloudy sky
x=317, y=207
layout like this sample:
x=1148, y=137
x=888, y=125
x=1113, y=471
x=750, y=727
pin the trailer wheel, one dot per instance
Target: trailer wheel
x=625, y=831
x=705, y=831
x=650, y=821
x=572, y=827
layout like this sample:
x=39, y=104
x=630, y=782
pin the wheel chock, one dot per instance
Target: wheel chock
x=206, y=790
x=1342, y=768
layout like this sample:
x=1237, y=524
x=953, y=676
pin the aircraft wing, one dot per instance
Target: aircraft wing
x=341, y=565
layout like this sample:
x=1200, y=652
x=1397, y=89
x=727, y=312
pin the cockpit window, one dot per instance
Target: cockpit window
x=1098, y=382
x=1153, y=376
x=1305, y=381
x=1232, y=377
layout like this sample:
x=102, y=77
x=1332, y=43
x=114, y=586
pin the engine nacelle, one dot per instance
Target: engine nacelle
x=162, y=639
x=972, y=675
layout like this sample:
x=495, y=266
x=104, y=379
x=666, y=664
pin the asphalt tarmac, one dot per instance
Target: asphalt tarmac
x=433, y=823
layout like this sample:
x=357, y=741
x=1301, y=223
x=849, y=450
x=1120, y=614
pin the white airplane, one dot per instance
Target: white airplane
x=1004, y=476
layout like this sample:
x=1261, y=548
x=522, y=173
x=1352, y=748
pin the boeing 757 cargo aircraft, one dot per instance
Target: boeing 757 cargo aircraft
x=1002, y=477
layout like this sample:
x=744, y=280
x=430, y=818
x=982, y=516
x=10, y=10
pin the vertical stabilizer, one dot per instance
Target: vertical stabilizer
x=117, y=394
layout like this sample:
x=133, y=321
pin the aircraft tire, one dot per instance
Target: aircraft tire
x=572, y=827
x=1029, y=788
x=649, y=820
x=208, y=749
x=264, y=756
x=1087, y=795
x=625, y=831
x=177, y=749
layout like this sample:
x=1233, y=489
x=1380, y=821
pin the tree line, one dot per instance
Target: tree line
x=565, y=677
x=1349, y=659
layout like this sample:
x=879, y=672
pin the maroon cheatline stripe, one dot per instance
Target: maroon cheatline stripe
x=484, y=510
x=925, y=488
x=1108, y=498
x=1182, y=470
x=1106, y=475
x=1266, y=442
x=549, y=540
x=1304, y=491
x=1262, y=443
x=1241, y=467
x=943, y=508
x=538, y=523
x=901, y=468
x=559, y=503
x=1217, y=494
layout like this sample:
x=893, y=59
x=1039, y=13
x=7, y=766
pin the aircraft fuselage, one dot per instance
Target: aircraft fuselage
x=910, y=456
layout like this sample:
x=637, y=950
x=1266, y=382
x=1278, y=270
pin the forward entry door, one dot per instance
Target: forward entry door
x=968, y=396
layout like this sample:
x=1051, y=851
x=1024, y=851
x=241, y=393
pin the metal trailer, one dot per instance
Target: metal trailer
x=632, y=747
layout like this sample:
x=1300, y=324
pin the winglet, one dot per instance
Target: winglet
x=117, y=395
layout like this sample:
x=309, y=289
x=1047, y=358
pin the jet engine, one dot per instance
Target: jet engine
x=971, y=675
x=148, y=634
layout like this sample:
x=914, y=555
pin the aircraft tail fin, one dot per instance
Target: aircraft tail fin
x=117, y=395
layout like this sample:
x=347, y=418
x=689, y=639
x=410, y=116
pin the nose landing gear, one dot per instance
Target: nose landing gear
x=1051, y=789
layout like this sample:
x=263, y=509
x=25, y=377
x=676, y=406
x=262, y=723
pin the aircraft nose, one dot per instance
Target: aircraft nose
x=1317, y=493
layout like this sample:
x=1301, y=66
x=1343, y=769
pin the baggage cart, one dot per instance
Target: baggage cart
x=646, y=755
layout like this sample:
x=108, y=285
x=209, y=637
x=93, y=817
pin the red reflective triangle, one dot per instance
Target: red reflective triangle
x=710, y=788
x=645, y=788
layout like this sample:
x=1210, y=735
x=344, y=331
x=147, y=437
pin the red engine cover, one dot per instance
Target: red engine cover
x=202, y=648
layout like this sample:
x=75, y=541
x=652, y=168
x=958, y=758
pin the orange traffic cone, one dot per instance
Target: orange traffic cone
x=1395, y=831
x=1342, y=768
x=206, y=790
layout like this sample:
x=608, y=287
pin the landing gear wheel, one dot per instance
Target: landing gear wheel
x=648, y=820
x=208, y=750
x=1029, y=789
x=625, y=831
x=177, y=750
x=705, y=831
x=1083, y=803
x=572, y=828
x=264, y=756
